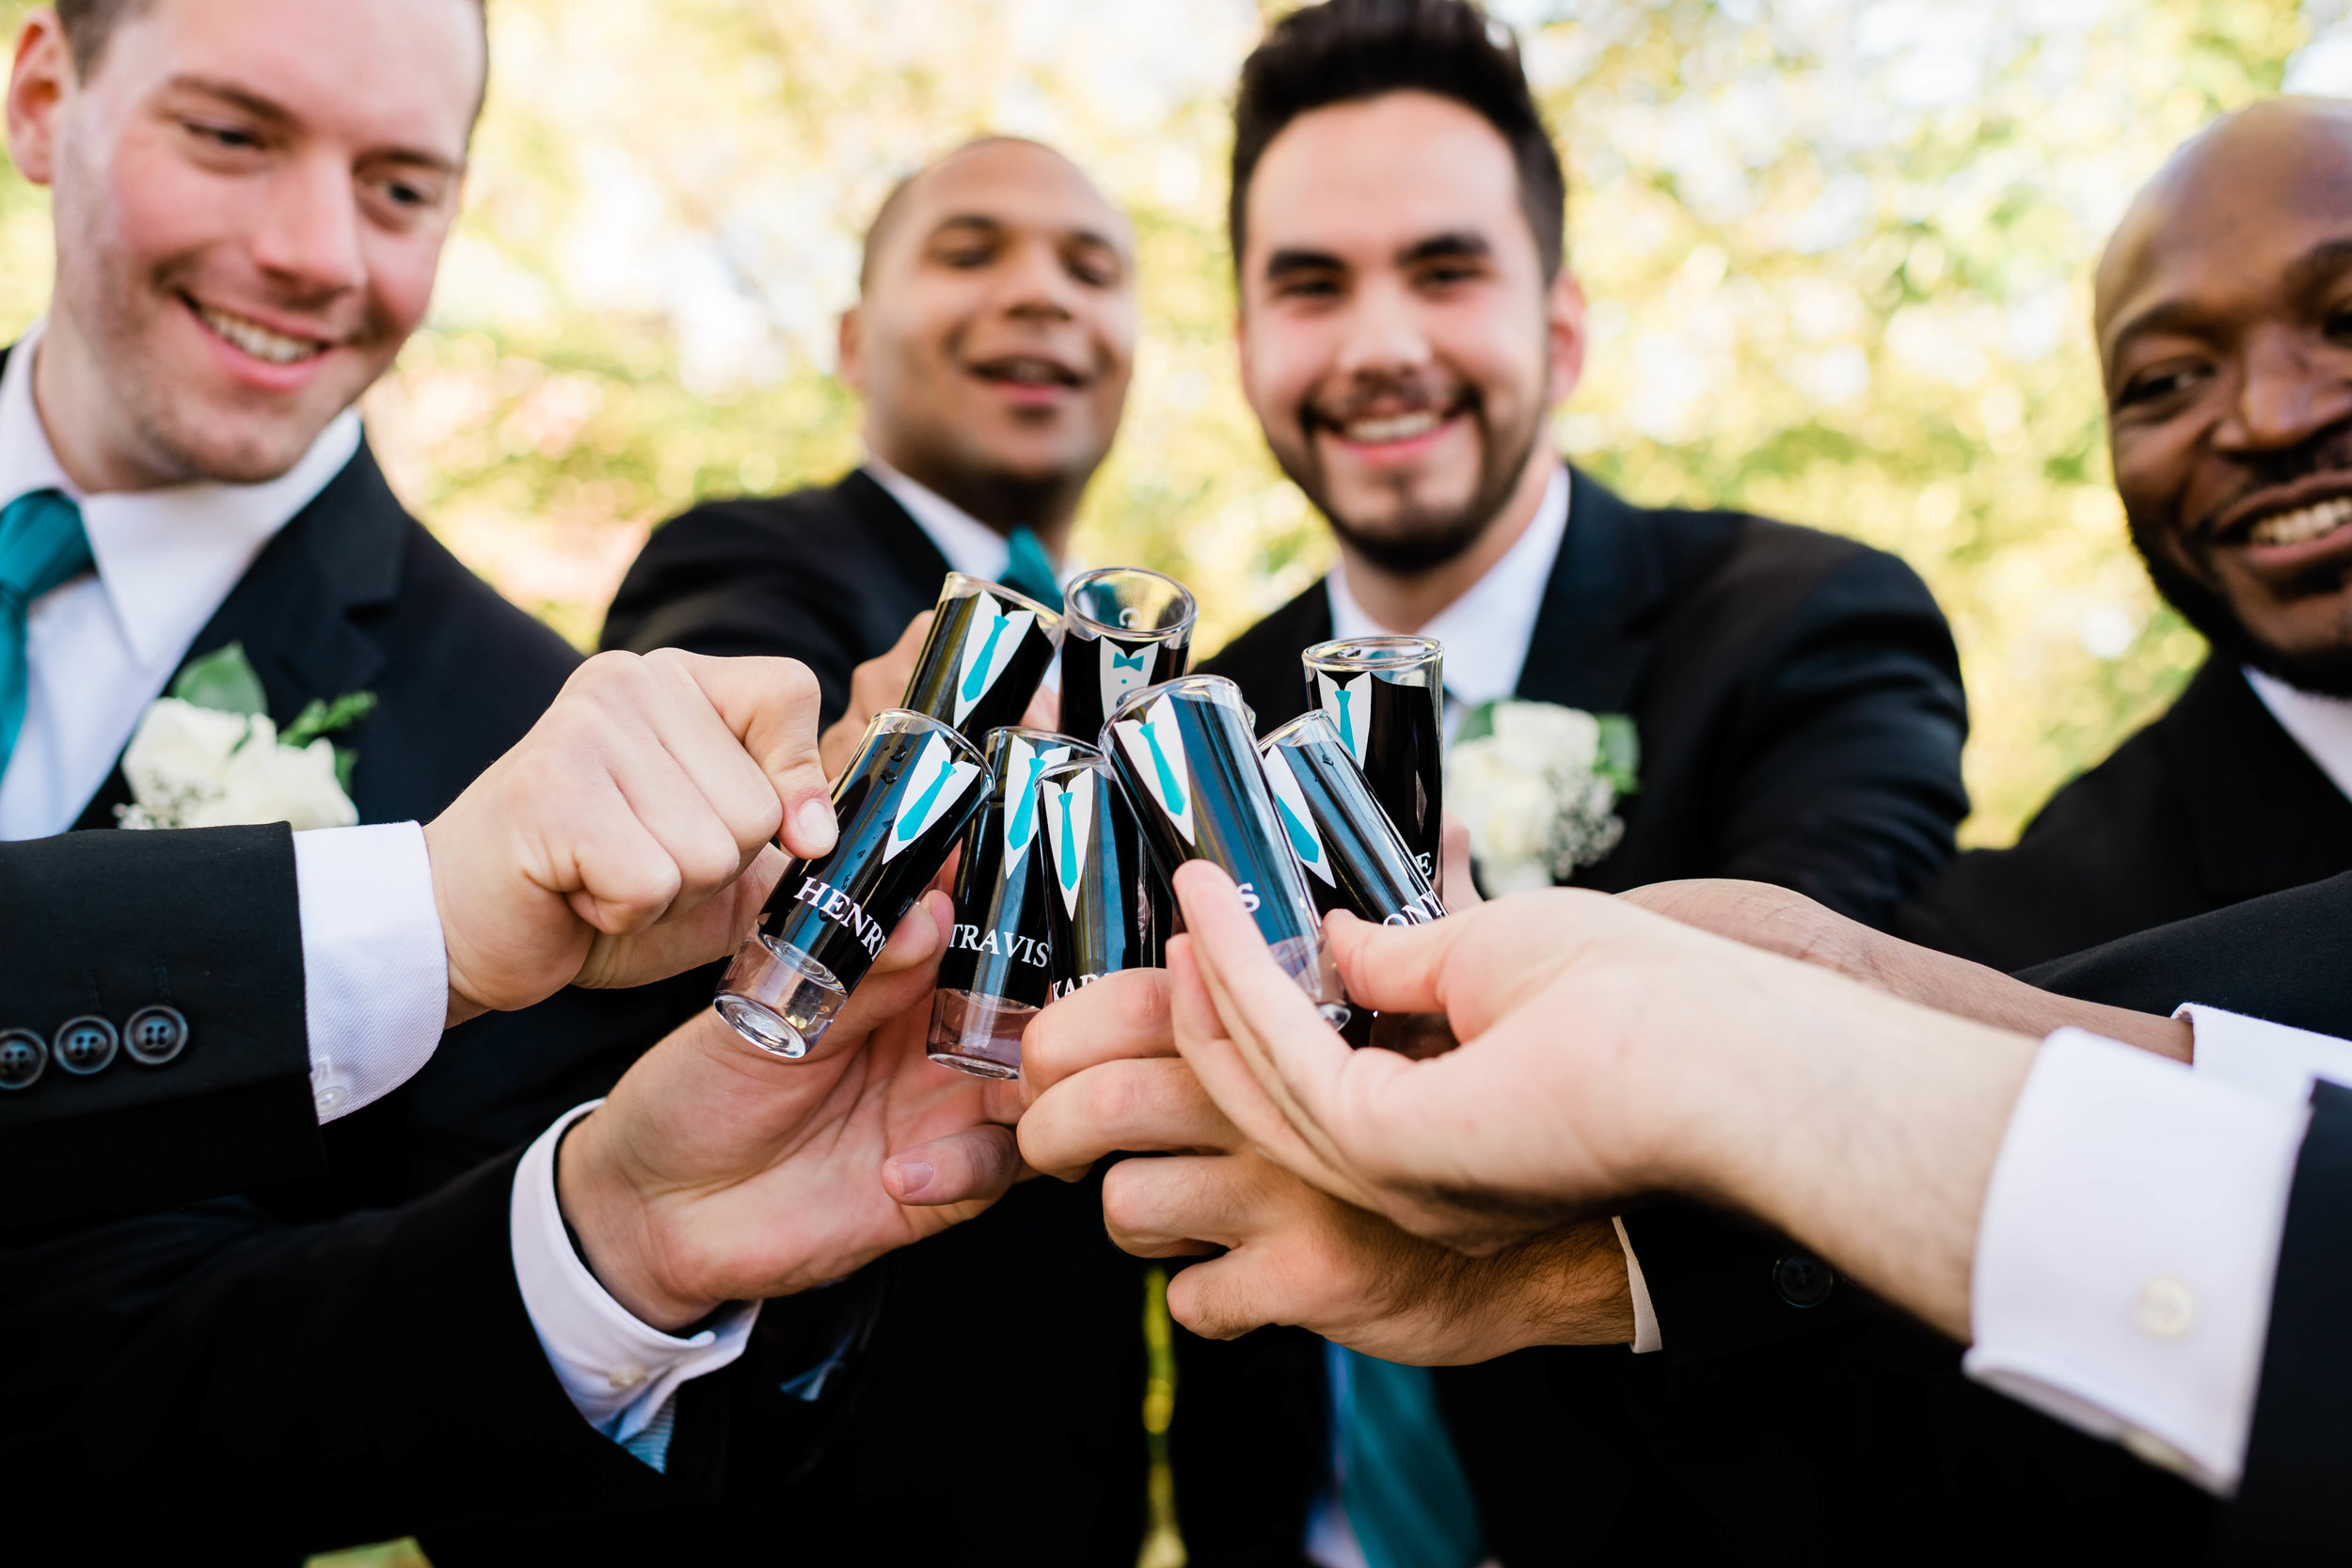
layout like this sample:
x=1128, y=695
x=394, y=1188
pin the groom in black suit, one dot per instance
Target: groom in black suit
x=1407, y=330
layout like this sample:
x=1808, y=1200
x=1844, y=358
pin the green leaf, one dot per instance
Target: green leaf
x=322, y=718
x=345, y=760
x=222, y=681
x=1620, y=760
x=1477, y=724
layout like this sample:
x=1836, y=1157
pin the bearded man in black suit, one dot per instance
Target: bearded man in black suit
x=992, y=342
x=2233, y=459
x=430, y=1323
x=1407, y=330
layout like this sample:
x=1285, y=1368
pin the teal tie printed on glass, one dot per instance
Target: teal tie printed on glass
x=988, y=649
x=42, y=546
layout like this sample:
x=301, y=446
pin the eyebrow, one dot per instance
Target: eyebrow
x=276, y=114
x=2178, y=315
x=1455, y=245
x=997, y=226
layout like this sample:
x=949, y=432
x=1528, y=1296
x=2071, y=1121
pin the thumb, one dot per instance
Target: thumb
x=771, y=705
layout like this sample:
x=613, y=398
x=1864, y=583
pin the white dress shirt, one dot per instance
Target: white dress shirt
x=100, y=648
x=1485, y=634
x=2321, y=725
x=2130, y=1237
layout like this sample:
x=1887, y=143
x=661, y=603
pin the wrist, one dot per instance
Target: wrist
x=1570, y=1287
x=615, y=1224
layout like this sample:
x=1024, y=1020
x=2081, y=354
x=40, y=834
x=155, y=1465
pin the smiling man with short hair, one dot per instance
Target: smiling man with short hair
x=2224, y=327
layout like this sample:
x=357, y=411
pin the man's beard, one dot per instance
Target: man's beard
x=1419, y=538
x=2327, y=672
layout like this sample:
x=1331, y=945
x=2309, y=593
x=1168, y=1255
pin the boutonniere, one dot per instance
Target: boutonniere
x=1538, y=784
x=208, y=756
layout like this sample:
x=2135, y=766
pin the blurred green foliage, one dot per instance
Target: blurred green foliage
x=1838, y=255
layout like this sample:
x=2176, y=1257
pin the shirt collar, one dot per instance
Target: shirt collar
x=166, y=558
x=2321, y=725
x=1485, y=631
x=970, y=546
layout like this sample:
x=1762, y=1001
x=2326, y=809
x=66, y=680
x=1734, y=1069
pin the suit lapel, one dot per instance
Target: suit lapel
x=2263, y=815
x=1597, y=623
x=301, y=609
x=913, y=555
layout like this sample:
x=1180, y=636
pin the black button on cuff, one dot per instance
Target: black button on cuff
x=155, y=1035
x=85, y=1045
x=1803, y=1279
x=23, y=1056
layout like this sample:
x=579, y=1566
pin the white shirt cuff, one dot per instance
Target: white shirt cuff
x=1645, y=1336
x=374, y=976
x=2129, y=1244
x=2269, y=1059
x=618, y=1371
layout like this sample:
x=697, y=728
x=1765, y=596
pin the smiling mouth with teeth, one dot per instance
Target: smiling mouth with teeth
x=1393, y=428
x=1023, y=371
x=2304, y=524
x=252, y=338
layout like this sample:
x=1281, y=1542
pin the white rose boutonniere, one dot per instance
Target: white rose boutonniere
x=1539, y=786
x=208, y=756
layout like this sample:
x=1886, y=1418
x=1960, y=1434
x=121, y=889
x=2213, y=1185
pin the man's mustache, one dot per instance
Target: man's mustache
x=1387, y=400
x=2328, y=452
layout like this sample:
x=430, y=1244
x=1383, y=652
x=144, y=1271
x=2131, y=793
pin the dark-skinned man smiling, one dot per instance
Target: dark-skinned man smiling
x=2224, y=326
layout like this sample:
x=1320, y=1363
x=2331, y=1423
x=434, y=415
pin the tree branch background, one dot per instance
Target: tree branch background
x=1839, y=255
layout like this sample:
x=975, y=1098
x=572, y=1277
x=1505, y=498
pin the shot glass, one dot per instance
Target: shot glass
x=1105, y=904
x=1123, y=629
x=1354, y=857
x=913, y=785
x=995, y=973
x=1386, y=696
x=1184, y=752
x=988, y=650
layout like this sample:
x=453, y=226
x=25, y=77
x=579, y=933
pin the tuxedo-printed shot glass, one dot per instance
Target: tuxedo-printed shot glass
x=1125, y=629
x=904, y=800
x=987, y=652
x=1183, y=753
x=1354, y=857
x=1385, y=699
x=1105, y=904
x=995, y=973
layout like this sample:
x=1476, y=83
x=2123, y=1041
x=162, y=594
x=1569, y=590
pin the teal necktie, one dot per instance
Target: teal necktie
x=1030, y=570
x=1400, y=1480
x=41, y=545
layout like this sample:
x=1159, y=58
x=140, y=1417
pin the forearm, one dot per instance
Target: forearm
x=1868, y=1129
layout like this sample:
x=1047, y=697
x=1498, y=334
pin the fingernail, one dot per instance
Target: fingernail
x=914, y=1176
x=814, y=823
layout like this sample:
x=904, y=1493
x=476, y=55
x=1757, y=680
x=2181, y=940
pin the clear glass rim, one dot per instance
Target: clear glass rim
x=1213, y=688
x=905, y=720
x=1041, y=738
x=1189, y=606
x=963, y=585
x=1295, y=732
x=1373, y=653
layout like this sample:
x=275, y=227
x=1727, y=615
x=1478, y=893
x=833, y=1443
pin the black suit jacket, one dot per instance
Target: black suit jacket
x=346, y=1355
x=2211, y=803
x=828, y=576
x=997, y=1412
x=1798, y=705
x=108, y=925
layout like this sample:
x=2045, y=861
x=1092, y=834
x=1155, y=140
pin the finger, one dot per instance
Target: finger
x=902, y=976
x=668, y=775
x=1123, y=1015
x=1393, y=975
x=1454, y=856
x=1226, y=1297
x=771, y=705
x=976, y=1166
x=712, y=930
x=1045, y=713
x=1150, y=1204
x=708, y=750
x=1150, y=1106
x=614, y=873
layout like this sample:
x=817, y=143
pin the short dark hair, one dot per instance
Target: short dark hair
x=1344, y=51
x=88, y=23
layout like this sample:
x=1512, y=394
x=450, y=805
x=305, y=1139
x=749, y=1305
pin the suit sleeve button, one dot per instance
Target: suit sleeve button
x=22, y=1056
x=1803, y=1279
x=155, y=1035
x=85, y=1045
